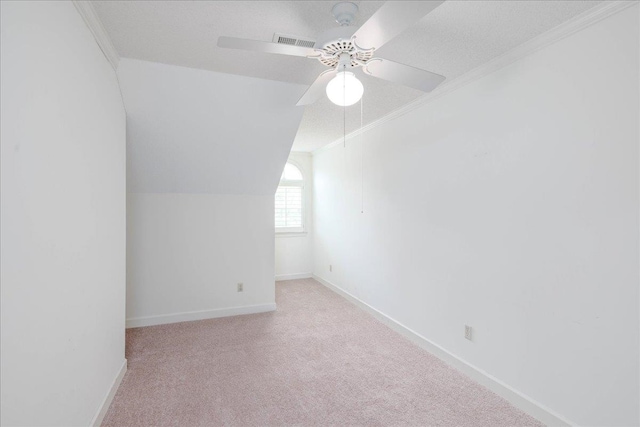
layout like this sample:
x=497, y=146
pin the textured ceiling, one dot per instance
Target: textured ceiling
x=453, y=39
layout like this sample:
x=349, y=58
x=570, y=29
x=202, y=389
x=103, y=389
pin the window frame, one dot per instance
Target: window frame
x=294, y=231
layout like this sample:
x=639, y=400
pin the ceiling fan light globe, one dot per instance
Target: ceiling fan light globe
x=345, y=89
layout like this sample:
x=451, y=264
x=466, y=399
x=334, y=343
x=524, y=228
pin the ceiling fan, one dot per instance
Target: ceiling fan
x=346, y=48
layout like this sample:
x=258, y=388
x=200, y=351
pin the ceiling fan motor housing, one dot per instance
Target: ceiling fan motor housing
x=336, y=41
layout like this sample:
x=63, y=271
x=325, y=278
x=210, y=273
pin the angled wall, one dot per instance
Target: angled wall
x=511, y=205
x=205, y=155
x=62, y=218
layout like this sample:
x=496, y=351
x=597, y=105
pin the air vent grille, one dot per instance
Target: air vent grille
x=305, y=43
x=292, y=40
x=287, y=40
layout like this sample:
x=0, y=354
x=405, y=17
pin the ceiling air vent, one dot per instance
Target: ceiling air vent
x=292, y=40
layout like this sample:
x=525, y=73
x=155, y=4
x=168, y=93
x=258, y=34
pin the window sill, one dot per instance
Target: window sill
x=291, y=233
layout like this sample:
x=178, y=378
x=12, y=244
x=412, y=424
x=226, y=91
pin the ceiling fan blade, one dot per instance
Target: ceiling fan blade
x=404, y=74
x=268, y=47
x=317, y=88
x=390, y=20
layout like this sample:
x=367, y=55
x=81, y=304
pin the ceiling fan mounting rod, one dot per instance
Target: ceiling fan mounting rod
x=344, y=12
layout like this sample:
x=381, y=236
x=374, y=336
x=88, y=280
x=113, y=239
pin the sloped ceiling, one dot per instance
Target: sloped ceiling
x=197, y=131
x=452, y=40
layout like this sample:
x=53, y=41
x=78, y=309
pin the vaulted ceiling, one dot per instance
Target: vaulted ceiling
x=198, y=131
x=455, y=38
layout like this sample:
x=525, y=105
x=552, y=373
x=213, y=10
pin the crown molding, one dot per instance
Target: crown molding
x=577, y=23
x=88, y=13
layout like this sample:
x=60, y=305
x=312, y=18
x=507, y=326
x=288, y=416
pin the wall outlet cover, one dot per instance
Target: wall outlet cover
x=467, y=332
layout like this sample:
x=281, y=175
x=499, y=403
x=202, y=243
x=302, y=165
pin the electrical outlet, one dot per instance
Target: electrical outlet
x=330, y=267
x=240, y=287
x=467, y=332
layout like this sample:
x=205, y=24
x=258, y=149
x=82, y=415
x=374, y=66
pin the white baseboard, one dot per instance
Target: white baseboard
x=292, y=276
x=517, y=399
x=138, y=322
x=104, y=406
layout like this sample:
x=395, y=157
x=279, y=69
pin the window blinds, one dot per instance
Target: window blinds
x=288, y=205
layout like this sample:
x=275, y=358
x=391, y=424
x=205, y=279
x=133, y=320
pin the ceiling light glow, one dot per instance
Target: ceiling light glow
x=345, y=89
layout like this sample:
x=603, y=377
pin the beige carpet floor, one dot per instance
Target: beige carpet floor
x=316, y=361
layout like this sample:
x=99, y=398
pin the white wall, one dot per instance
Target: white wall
x=206, y=151
x=511, y=205
x=188, y=252
x=63, y=218
x=293, y=250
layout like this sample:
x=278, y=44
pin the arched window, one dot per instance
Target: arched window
x=289, y=201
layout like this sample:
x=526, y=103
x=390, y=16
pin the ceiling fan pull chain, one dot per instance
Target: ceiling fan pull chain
x=361, y=159
x=344, y=106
